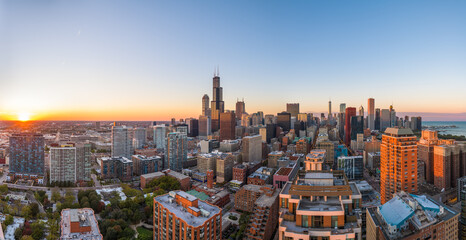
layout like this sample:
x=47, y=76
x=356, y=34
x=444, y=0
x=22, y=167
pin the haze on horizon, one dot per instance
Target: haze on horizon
x=154, y=60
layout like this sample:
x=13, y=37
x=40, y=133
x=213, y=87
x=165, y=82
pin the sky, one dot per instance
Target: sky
x=154, y=60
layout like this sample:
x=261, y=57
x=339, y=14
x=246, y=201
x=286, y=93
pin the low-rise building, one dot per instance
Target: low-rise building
x=79, y=224
x=409, y=216
x=179, y=215
x=315, y=160
x=261, y=176
x=116, y=167
x=353, y=166
x=146, y=178
x=144, y=165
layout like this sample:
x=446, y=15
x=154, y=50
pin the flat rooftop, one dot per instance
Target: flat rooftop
x=170, y=204
x=284, y=171
x=153, y=175
x=86, y=218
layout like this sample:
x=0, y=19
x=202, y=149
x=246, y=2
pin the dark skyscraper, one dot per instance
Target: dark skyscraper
x=284, y=121
x=357, y=126
x=217, y=104
x=350, y=112
x=193, y=127
x=227, y=125
x=377, y=119
x=293, y=108
x=27, y=154
x=205, y=105
x=240, y=109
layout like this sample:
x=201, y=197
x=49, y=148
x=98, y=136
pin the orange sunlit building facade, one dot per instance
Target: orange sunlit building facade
x=398, y=163
x=180, y=215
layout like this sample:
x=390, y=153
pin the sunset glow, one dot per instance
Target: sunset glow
x=24, y=116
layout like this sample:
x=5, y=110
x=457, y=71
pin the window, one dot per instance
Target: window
x=334, y=221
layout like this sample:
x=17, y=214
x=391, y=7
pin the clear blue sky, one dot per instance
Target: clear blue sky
x=141, y=60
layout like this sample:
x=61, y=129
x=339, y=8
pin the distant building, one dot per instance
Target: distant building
x=272, y=158
x=122, y=142
x=371, y=113
x=261, y=176
x=409, y=216
x=144, y=165
x=240, y=173
x=227, y=126
x=139, y=138
x=353, y=167
x=27, y=154
x=160, y=132
x=252, y=148
x=176, y=152
x=205, y=105
x=293, y=109
x=377, y=119
x=350, y=112
x=240, y=109
x=116, y=167
x=217, y=103
x=79, y=224
x=284, y=121
x=225, y=168
x=179, y=215
x=204, y=126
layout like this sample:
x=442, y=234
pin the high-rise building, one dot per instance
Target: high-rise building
x=122, y=142
x=371, y=113
x=180, y=215
x=70, y=163
x=353, y=166
x=205, y=105
x=320, y=205
x=176, y=152
x=227, y=126
x=416, y=123
x=160, y=131
x=408, y=216
x=349, y=113
x=225, y=168
x=444, y=160
x=27, y=154
x=79, y=224
x=357, y=126
x=293, y=109
x=377, y=119
x=284, y=121
x=398, y=163
x=207, y=161
x=361, y=111
x=139, y=138
x=392, y=116
x=252, y=148
x=342, y=107
x=329, y=116
x=204, y=126
x=217, y=104
x=193, y=125
x=240, y=109
x=384, y=119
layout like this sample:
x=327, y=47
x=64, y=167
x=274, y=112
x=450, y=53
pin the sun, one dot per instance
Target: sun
x=24, y=116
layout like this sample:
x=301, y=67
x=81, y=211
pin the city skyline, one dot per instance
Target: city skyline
x=154, y=61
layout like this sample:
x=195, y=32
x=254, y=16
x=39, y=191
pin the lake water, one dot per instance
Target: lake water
x=460, y=128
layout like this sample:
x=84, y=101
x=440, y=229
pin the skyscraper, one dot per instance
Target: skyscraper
x=176, y=152
x=205, y=105
x=329, y=110
x=217, y=104
x=284, y=120
x=350, y=112
x=193, y=125
x=384, y=119
x=240, y=109
x=27, y=154
x=371, y=113
x=398, y=163
x=392, y=116
x=377, y=119
x=139, y=138
x=252, y=148
x=159, y=136
x=204, y=126
x=122, y=142
x=70, y=163
x=361, y=111
x=293, y=109
x=357, y=126
x=342, y=107
x=227, y=125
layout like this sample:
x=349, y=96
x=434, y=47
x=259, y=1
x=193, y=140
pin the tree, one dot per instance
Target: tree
x=8, y=220
x=34, y=210
x=37, y=230
x=3, y=189
x=56, y=196
x=27, y=237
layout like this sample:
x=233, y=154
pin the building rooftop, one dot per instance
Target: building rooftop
x=168, y=202
x=153, y=175
x=177, y=175
x=86, y=218
x=284, y=171
x=121, y=159
x=316, y=154
x=396, y=212
x=399, y=131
